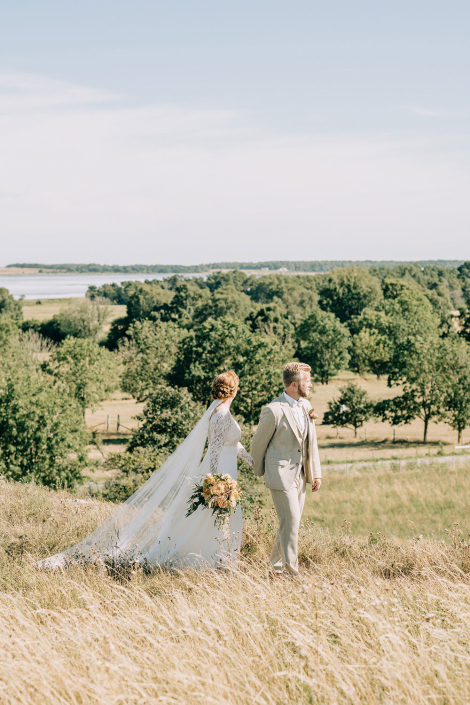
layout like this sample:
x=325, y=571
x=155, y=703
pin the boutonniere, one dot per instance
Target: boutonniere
x=312, y=414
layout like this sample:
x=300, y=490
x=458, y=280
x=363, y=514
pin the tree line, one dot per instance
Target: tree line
x=408, y=324
x=272, y=266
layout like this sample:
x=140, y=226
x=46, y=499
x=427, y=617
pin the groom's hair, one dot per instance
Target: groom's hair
x=291, y=372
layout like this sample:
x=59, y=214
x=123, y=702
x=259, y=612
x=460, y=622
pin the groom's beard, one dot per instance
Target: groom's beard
x=303, y=391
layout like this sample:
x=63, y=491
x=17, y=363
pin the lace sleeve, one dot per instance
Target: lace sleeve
x=219, y=425
x=243, y=454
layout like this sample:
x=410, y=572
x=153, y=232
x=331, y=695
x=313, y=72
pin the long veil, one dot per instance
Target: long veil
x=151, y=523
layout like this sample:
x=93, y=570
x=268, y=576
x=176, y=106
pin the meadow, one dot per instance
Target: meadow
x=380, y=613
x=43, y=310
x=372, y=619
x=374, y=441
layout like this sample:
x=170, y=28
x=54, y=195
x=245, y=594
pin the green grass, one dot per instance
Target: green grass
x=423, y=500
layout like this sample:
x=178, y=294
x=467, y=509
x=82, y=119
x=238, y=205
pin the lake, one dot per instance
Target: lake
x=64, y=286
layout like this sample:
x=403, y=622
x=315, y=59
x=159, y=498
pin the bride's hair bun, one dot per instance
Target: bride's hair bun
x=225, y=385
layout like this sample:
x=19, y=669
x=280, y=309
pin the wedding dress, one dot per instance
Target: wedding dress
x=151, y=526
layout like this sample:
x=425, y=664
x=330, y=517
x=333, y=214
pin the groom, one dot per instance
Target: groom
x=285, y=451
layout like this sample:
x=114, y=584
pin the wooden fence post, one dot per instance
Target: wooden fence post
x=118, y=423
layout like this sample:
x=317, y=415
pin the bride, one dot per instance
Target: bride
x=151, y=527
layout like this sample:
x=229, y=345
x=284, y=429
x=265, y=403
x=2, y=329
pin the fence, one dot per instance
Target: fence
x=113, y=426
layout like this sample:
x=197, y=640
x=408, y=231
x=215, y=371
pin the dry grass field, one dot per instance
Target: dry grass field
x=374, y=441
x=372, y=620
x=50, y=307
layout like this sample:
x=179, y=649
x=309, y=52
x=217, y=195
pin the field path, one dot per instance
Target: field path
x=402, y=463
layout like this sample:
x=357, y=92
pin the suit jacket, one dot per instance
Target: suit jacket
x=278, y=449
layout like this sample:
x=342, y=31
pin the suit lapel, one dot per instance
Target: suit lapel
x=290, y=417
x=308, y=422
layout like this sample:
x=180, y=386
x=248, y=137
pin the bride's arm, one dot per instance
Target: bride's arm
x=219, y=425
x=244, y=455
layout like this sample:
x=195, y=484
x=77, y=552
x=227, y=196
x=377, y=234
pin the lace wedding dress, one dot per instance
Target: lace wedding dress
x=151, y=526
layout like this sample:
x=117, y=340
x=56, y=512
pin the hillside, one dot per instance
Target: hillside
x=371, y=620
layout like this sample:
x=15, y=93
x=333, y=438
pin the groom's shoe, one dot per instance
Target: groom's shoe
x=276, y=575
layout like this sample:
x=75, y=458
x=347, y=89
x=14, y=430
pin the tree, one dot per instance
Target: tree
x=370, y=353
x=145, y=299
x=464, y=276
x=295, y=294
x=411, y=326
x=168, y=417
x=370, y=348
x=42, y=433
x=422, y=382
x=9, y=306
x=89, y=371
x=323, y=344
x=464, y=325
x=188, y=299
x=260, y=372
x=272, y=319
x=82, y=319
x=455, y=385
x=225, y=301
x=148, y=354
x=227, y=343
x=8, y=330
x=397, y=411
x=234, y=278
x=351, y=409
x=347, y=292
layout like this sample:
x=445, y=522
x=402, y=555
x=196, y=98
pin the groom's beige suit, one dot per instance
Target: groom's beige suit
x=285, y=451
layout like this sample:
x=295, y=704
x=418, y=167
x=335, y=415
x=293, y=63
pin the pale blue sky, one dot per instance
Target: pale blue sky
x=202, y=131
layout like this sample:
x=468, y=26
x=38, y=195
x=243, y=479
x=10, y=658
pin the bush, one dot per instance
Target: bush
x=133, y=469
x=42, y=433
x=83, y=319
x=169, y=416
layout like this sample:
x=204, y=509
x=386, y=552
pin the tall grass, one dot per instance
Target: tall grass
x=371, y=620
x=406, y=502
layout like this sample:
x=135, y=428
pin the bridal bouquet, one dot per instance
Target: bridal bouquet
x=220, y=493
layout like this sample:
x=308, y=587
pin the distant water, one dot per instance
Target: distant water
x=64, y=286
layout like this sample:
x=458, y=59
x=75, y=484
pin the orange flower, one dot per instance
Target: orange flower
x=218, y=488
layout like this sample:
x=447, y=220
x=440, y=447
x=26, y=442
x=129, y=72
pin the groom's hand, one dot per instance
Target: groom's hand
x=316, y=484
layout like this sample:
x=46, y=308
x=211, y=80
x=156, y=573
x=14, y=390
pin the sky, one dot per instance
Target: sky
x=208, y=131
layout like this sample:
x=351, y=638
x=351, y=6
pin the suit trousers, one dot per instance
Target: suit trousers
x=289, y=506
